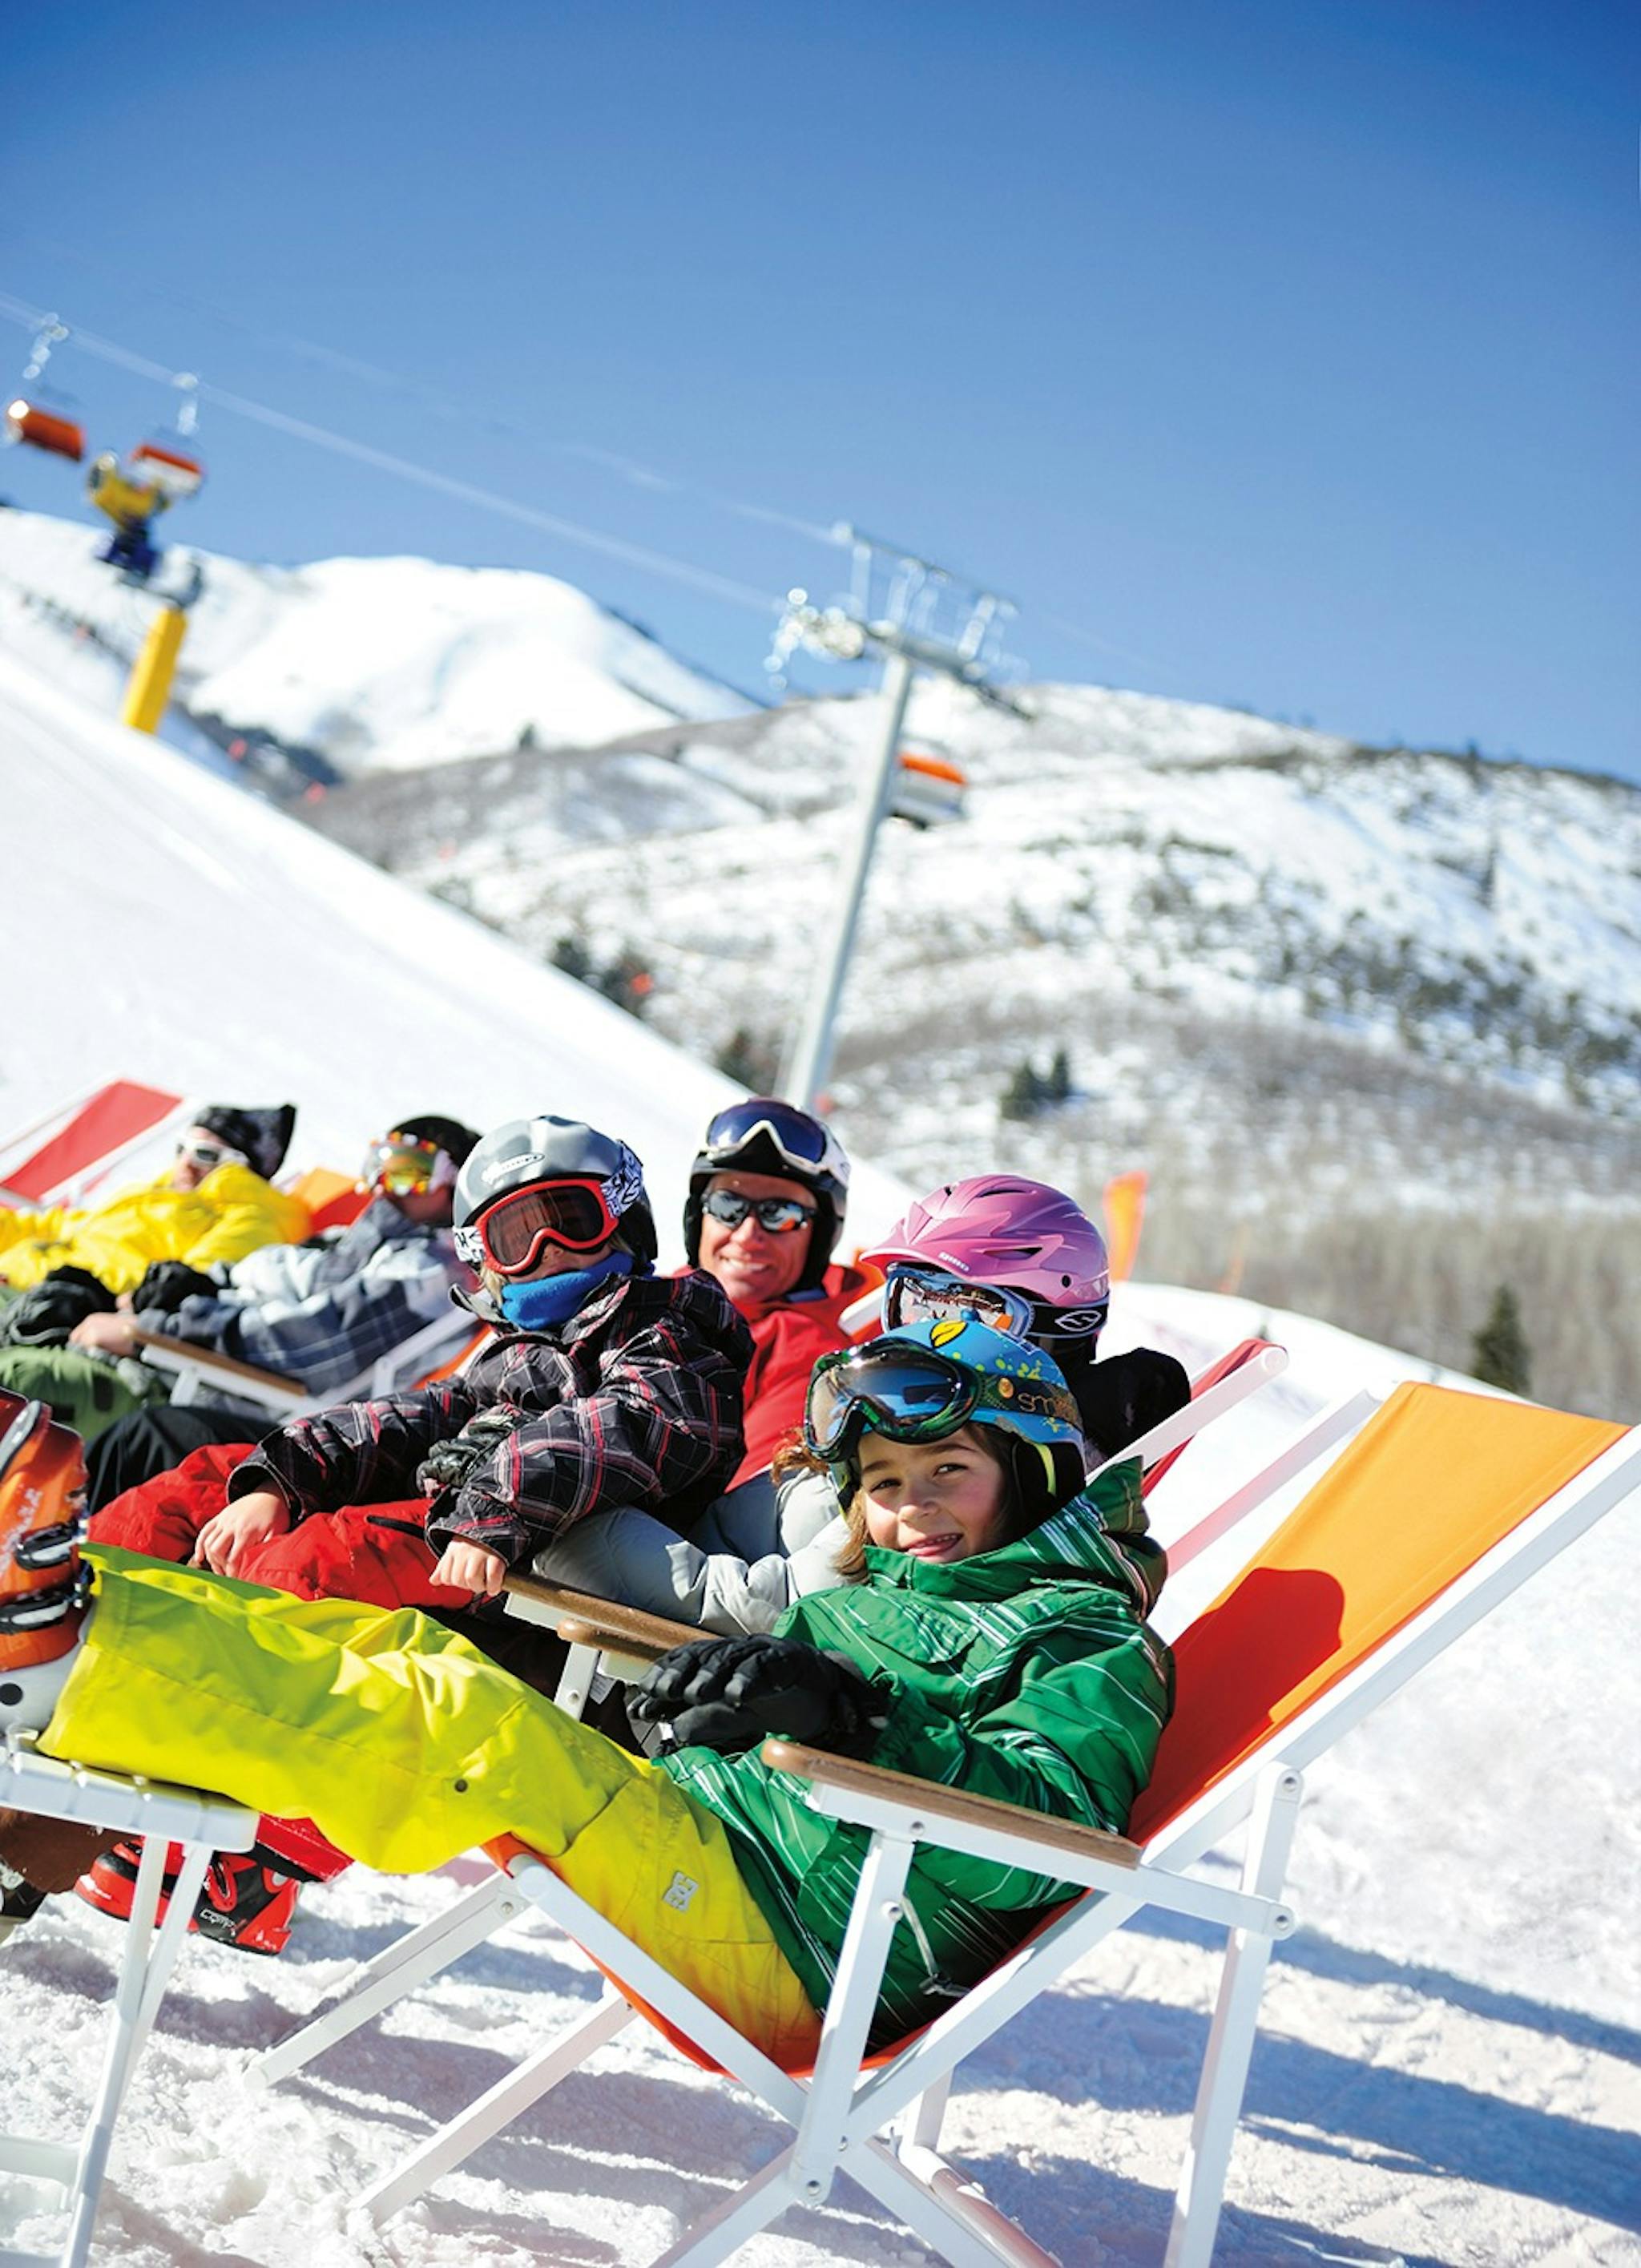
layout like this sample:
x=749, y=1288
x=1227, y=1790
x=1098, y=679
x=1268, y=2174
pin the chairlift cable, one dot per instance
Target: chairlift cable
x=635, y=554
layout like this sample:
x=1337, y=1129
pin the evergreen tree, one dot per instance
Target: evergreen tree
x=1500, y=1355
x=1059, y=1082
x=749, y=1058
x=1024, y=1096
x=571, y=955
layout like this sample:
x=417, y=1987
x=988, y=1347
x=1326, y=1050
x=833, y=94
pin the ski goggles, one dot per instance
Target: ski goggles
x=205, y=1152
x=511, y=1235
x=778, y=1216
x=930, y=1295
x=800, y=1139
x=911, y=1394
x=405, y=1167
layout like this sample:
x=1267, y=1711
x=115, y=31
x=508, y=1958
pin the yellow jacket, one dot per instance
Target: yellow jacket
x=230, y=1214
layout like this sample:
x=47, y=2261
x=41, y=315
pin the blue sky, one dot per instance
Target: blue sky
x=1280, y=355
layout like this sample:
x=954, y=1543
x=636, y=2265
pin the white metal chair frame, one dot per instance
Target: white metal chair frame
x=1201, y=1411
x=161, y=1815
x=882, y=2126
x=196, y=1368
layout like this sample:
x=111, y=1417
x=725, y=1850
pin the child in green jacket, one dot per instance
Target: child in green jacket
x=995, y=1641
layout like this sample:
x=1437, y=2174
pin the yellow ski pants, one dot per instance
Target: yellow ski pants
x=406, y=1745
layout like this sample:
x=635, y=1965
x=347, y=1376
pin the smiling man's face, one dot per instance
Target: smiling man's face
x=755, y=1266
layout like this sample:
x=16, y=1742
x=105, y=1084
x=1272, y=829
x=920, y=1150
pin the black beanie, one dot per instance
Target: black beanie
x=260, y=1137
x=451, y=1137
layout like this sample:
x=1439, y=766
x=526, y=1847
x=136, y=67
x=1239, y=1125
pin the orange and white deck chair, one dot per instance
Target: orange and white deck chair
x=1441, y=1505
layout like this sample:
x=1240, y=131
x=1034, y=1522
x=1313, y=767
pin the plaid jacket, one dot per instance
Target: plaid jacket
x=323, y=1313
x=636, y=1401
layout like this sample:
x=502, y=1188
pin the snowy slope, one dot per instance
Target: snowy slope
x=395, y=662
x=1448, y=2072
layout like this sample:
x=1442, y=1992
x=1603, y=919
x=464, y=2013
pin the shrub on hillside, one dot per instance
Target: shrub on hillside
x=1500, y=1355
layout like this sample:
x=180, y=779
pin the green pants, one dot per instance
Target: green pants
x=86, y=1391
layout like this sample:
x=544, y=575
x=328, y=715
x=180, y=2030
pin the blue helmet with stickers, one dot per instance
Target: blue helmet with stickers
x=924, y=1380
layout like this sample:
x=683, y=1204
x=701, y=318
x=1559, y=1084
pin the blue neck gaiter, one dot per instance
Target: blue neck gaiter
x=554, y=1298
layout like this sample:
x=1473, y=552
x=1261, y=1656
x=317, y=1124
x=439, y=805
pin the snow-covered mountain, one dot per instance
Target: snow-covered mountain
x=1446, y=2069
x=1487, y=915
x=367, y=662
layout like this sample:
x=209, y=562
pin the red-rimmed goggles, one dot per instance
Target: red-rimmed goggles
x=511, y=1235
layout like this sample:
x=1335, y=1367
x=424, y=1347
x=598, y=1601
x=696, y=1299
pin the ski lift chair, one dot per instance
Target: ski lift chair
x=167, y=465
x=1436, y=1510
x=39, y=427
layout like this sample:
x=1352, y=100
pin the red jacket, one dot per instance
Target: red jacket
x=787, y=1340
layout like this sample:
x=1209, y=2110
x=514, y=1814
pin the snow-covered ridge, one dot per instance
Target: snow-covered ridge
x=370, y=662
x=1480, y=916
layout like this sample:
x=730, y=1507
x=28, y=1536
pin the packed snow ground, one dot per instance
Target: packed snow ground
x=1447, y=2071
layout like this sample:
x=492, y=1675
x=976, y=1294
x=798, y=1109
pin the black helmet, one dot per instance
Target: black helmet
x=765, y=1135
x=525, y=1151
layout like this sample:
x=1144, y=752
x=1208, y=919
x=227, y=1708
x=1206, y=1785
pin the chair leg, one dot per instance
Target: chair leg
x=421, y=1952
x=919, y=2125
x=145, y=1964
x=1232, y=2034
x=474, y=2126
x=719, y=2235
x=872, y=1919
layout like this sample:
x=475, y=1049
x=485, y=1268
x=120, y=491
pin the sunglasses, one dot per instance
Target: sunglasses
x=929, y=1295
x=206, y=1153
x=405, y=1167
x=910, y=1393
x=511, y=1236
x=801, y=1140
x=779, y=1216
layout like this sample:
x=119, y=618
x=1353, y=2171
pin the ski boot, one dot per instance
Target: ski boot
x=42, y=1607
x=42, y=1588
x=246, y=1901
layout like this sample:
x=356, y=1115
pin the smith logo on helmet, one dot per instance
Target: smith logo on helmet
x=501, y=1168
x=1076, y=1322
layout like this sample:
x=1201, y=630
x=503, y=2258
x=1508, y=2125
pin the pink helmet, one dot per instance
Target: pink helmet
x=998, y=1228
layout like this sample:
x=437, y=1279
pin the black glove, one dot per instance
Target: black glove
x=47, y=1311
x=167, y=1283
x=731, y=1693
x=448, y=1465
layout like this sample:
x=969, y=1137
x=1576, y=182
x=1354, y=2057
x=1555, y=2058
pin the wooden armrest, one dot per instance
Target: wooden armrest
x=222, y=1365
x=927, y=1798
x=584, y=1620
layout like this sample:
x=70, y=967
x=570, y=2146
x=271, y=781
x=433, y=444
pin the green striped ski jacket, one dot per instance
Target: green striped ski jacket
x=1027, y=1673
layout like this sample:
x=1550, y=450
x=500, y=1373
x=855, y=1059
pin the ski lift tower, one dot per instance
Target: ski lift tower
x=915, y=616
